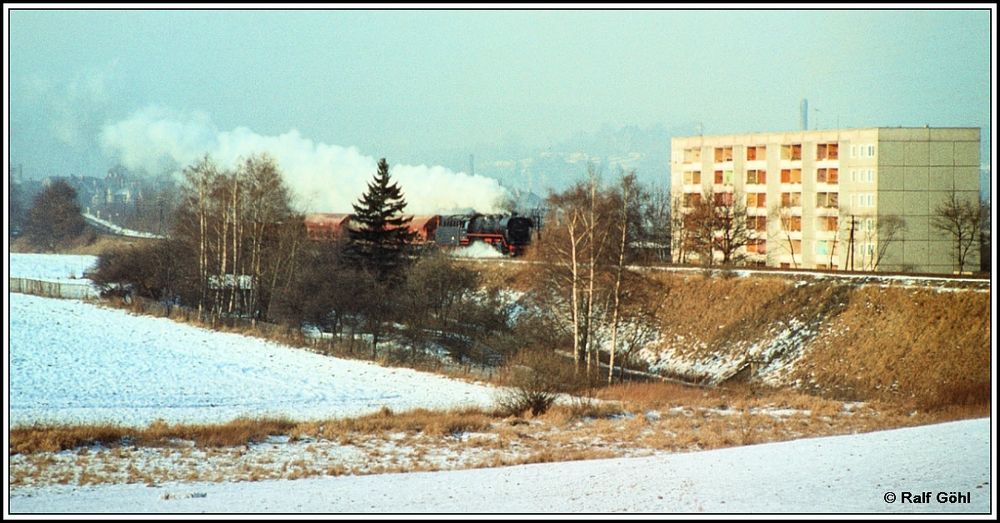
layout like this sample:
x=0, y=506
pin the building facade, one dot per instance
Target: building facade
x=821, y=199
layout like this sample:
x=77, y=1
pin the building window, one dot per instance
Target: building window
x=791, y=176
x=791, y=152
x=871, y=151
x=854, y=151
x=756, y=176
x=758, y=152
x=692, y=199
x=723, y=154
x=724, y=198
x=723, y=177
x=756, y=200
x=757, y=246
x=823, y=248
x=871, y=175
x=692, y=154
x=827, y=223
x=757, y=223
x=827, y=175
x=826, y=151
x=791, y=199
x=865, y=200
x=827, y=200
x=692, y=177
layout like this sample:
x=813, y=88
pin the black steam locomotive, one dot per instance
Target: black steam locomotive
x=509, y=234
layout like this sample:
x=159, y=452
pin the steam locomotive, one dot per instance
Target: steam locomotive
x=509, y=234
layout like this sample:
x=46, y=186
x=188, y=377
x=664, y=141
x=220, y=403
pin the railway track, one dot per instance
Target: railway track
x=976, y=282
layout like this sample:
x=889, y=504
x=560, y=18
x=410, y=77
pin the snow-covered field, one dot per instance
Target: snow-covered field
x=50, y=267
x=842, y=474
x=75, y=362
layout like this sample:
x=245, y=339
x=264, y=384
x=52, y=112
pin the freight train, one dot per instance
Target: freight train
x=509, y=234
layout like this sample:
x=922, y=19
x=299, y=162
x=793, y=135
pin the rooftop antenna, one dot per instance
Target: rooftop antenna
x=816, y=119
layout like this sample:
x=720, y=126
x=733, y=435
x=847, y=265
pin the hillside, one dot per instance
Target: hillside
x=920, y=340
x=873, y=339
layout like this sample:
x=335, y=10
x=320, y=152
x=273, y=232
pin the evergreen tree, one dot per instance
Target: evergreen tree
x=381, y=232
x=54, y=219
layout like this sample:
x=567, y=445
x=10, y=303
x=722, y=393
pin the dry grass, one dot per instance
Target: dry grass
x=701, y=308
x=55, y=438
x=916, y=347
x=427, y=422
x=90, y=243
x=655, y=417
x=912, y=346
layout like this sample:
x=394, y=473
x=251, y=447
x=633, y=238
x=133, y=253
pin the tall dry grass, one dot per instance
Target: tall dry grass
x=55, y=438
x=918, y=347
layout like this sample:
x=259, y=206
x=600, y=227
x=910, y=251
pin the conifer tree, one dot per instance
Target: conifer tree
x=380, y=233
x=54, y=220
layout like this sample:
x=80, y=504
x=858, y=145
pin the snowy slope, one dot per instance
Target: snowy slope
x=75, y=362
x=50, y=267
x=843, y=474
x=115, y=229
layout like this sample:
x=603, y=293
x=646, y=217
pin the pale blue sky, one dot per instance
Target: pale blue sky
x=403, y=83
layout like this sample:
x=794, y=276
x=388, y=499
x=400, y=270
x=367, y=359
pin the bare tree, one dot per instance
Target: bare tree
x=596, y=240
x=960, y=219
x=985, y=235
x=789, y=221
x=626, y=197
x=560, y=280
x=700, y=224
x=194, y=215
x=888, y=228
x=268, y=230
x=680, y=234
x=718, y=223
x=656, y=228
x=732, y=229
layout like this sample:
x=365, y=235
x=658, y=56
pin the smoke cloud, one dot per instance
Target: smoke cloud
x=322, y=177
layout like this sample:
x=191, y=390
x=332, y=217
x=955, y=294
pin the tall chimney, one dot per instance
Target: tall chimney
x=804, y=114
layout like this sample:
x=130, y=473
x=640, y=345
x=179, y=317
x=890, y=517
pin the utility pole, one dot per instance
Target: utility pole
x=850, y=253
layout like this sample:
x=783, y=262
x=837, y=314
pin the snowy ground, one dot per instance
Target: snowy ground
x=50, y=267
x=75, y=362
x=843, y=474
x=115, y=229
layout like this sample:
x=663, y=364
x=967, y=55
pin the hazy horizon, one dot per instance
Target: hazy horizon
x=89, y=88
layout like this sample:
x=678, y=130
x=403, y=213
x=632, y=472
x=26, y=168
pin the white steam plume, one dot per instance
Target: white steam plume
x=322, y=177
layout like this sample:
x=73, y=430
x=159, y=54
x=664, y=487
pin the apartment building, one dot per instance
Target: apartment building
x=821, y=199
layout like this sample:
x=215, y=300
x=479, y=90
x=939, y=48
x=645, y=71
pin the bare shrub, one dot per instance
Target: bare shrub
x=535, y=378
